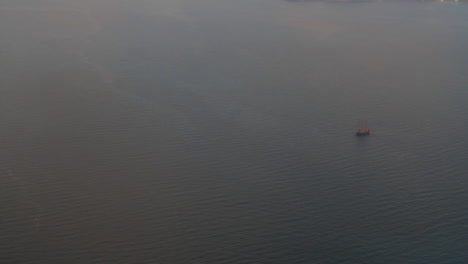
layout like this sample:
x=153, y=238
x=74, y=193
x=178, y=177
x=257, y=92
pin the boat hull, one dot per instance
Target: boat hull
x=363, y=132
x=360, y=134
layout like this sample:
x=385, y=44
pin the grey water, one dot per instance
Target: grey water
x=222, y=131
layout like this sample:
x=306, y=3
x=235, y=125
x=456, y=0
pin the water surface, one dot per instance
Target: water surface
x=208, y=131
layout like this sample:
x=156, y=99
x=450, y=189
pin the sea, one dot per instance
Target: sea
x=223, y=132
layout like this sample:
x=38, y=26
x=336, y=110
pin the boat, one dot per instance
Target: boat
x=364, y=130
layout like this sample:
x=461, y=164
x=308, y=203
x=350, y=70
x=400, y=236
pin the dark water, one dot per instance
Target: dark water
x=221, y=131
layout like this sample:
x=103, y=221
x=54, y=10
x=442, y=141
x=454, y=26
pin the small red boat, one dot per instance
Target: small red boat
x=365, y=131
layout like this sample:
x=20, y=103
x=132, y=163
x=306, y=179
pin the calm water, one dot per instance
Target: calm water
x=221, y=131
